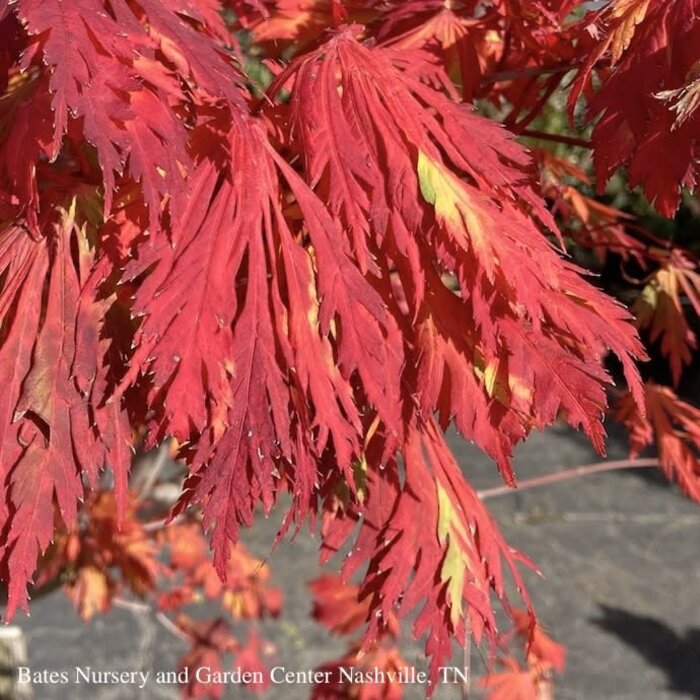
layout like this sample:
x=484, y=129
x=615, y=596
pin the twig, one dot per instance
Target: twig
x=156, y=467
x=597, y=468
x=609, y=517
x=171, y=626
x=558, y=138
x=550, y=86
x=164, y=620
x=507, y=75
x=155, y=525
x=131, y=605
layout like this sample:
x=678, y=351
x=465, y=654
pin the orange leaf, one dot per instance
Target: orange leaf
x=659, y=309
x=675, y=426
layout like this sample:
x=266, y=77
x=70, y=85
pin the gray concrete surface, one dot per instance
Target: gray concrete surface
x=621, y=590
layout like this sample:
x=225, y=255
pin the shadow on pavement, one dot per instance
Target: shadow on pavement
x=678, y=656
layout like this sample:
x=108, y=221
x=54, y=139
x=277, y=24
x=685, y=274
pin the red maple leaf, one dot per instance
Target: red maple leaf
x=379, y=671
x=542, y=656
x=355, y=113
x=102, y=557
x=54, y=429
x=654, y=44
x=513, y=683
x=245, y=594
x=337, y=605
x=212, y=644
x=305, y=293
x=674, y=426
x=591, y=223
x=660, y=309
x=429, y=542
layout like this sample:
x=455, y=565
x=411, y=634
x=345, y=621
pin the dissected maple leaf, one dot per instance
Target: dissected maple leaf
x=293, y=294
x=337, y=605
x=456, y=198
x=283, y=353
x=51, y=430
x=684, y=100
x=429, y=542
x=614, y=27
x=211, y=643
x=591, y=223
x=246, y=592
x=423, y=187
x=94, y=77
x=674, y=426
x=659, y=309
x=624, y=16
x=101, y=557
x=380, y=673
x=113, y=68
x=542, y=656
x=636, y=125
x=299, y=23
x=191, y=285
x=459, y=40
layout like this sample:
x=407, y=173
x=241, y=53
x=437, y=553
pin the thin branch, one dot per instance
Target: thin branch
x=556, y=477
x=161, y=524
x=144, y=608
x=507, y=75
x=557, y=138
x=169, y=625
x=616, y=517
x=131, y=605
x=155, y=468
x=550, y=86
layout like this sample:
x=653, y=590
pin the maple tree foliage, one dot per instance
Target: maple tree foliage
x=672, y=424
x=100, y=565
x=649, y=99
x=305, y=280
x=533, y=679
x=97, y=561
x=339, y=607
